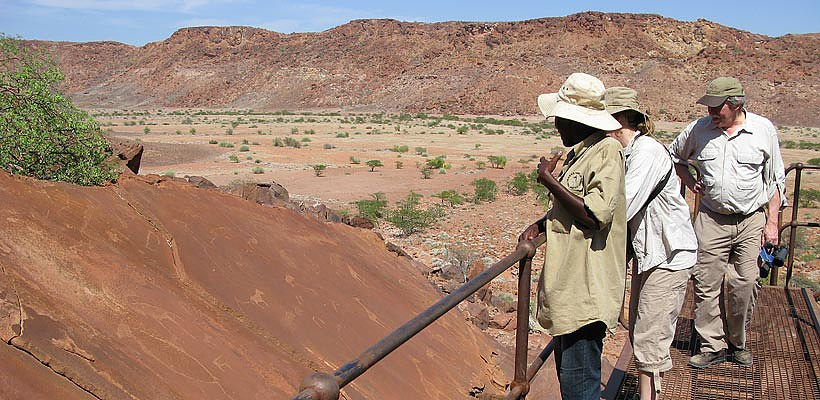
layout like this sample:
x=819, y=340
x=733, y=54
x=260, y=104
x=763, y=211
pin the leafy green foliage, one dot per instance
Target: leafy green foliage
x=318, y=169
x=451, y=197
x=373, y=209
x=373, y=164
x=42, y=133
x=497, y=161
x=408, y=217
x=485, y=190
x=518, y=184
x=809, y=198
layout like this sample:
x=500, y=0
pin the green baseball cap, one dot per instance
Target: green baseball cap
x=719, y=89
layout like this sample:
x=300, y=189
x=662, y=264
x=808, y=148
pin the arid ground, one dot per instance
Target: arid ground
x=226, y=146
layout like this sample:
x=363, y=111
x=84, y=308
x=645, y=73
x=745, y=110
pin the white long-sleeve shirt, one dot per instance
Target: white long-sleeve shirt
x=662, y=233
x=740, y=172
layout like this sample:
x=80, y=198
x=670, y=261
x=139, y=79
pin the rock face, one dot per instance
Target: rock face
x=450, y=67
x=156, y=289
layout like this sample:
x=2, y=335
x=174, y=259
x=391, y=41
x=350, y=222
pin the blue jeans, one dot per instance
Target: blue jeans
x=578, y=362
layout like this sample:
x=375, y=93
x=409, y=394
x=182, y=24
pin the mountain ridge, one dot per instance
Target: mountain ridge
x=452, y=67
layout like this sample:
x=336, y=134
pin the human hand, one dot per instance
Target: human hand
x=770, y=234
x=530, y=233
x=546, y=167
x=698, y=187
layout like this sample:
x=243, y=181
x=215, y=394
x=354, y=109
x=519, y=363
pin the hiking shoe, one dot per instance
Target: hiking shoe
x=742, y=357
x=708, y=358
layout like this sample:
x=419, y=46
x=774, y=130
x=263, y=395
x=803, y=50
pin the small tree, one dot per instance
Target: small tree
x=42, y=134
x=408, y=217
x=373, y=209
x=373, y=164
x=485, y=190
x=450, y=196
x=318, y=169
x=497, y=161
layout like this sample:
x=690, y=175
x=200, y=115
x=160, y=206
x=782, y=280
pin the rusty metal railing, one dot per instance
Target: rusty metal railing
x=794, y=223
x=324, y=386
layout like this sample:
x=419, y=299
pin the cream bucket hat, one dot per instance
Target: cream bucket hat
x=581, y=99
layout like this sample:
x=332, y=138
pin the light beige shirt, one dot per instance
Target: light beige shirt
x=584, y=272
x=740, y=172
x=662, y=233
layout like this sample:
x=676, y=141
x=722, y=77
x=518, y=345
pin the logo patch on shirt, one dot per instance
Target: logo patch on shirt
x=575, y=181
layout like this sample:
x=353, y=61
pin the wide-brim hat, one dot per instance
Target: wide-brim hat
x=619, y=98
x=580, y=99
x=720, y=89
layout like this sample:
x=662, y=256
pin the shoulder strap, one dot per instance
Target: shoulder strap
x=659, y=187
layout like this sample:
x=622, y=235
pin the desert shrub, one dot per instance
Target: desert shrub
x=213, y=141
x=814, y=161
x=399, y=164
x=245, y=141
x=229, y=131
x=420, y=150
x=373, y=209
x=437, y=163
x=426, y=172
x=409, y=217
x=192, y=131
x=480, y=164
x=244, y=148
x=400, y=148
x=485, y=190
x=169, y=174
x=328, y=146
x=277, y=142
x=291, y=142
x=318, y=169
x=450, y=197
x=42, y=133
x=258, y=170
x=354, y=160
x=809, y=198
x=233, y=158
x=225, y=144
x=518, y=184
x=373, y=164
x=542, y=194
x=497, y=161
x=342, y=135
x=306, y=140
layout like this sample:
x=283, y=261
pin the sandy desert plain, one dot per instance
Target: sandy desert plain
x=229, y=145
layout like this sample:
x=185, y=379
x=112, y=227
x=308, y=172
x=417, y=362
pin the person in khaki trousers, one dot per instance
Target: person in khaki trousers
x=742, y=187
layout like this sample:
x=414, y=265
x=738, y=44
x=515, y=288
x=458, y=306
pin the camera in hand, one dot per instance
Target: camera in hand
x=771, y=256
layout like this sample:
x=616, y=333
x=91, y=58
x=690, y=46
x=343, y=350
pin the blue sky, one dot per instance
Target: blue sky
x=138, y=22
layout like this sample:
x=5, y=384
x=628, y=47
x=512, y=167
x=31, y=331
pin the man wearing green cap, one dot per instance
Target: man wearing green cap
x=742, y=189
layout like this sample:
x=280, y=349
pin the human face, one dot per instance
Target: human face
x=724, y=115
x=571, y=132
x=623, y=135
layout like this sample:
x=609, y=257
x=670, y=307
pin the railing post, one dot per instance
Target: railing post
x=520, y=383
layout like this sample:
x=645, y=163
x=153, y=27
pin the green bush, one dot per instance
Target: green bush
x=42, y=133
x=437, y=163
x=485, y=190
x=354, y=160
x=400, y=149
x=277, y=142
x=233, y=158
x=318, y=169
x=373, y=164
x=814, y=161
x=451, y=197
x=497, y=161
x=408, y=217
x=809, y=198
x=518, y=184
x=244, y=148
x=258, y=170
x=373, y=209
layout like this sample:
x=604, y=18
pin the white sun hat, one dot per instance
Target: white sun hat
x=581, y=99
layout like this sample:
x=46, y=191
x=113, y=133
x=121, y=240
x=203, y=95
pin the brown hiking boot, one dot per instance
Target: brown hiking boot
x=742, y=357
x=705, y=359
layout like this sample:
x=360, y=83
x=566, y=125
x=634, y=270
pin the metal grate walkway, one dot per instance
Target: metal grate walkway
x=783, y=338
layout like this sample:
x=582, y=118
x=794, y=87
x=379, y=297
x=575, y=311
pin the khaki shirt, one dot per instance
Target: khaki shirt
x=740, y=172
x=585, y=268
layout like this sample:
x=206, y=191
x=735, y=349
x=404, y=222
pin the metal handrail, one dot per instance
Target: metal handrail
x=323, y=386
x=794, y=223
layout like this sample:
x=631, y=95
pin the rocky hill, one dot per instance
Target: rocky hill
x=450, y=67
x=155, y=289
